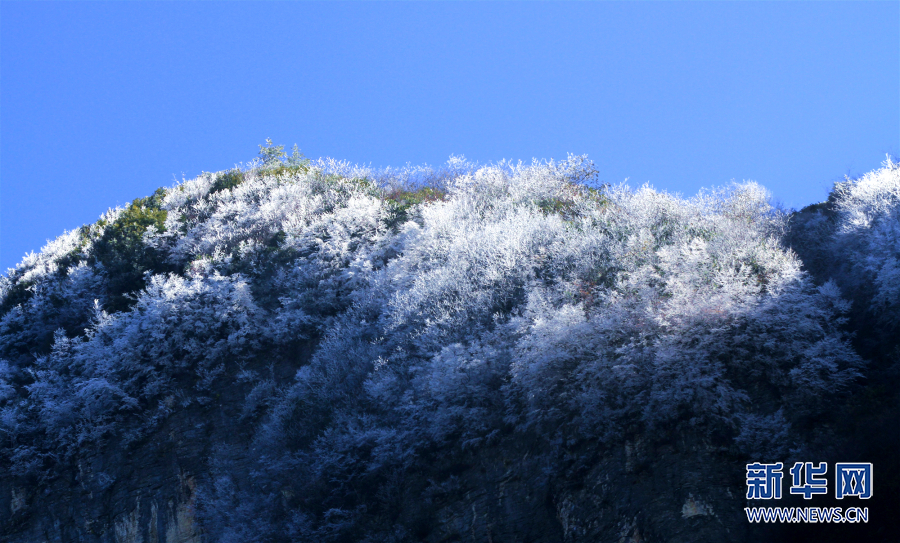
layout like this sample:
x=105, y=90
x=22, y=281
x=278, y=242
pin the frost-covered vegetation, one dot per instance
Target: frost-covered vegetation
x=375, y=320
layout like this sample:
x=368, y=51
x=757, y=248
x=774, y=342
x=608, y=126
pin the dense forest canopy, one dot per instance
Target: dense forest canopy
x=364, y=336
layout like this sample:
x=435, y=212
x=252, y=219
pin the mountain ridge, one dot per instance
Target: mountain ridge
x=302, y=350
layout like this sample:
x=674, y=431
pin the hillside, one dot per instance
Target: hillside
x=301, y=350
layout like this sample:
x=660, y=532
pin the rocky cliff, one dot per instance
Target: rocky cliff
x=313, y=351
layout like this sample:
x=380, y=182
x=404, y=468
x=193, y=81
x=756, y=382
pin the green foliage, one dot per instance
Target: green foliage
x=274, y=162
x=274, y=156
x=401, y=201
x=362, y=183
x=556, y=206
x=567, y=204
x=348, y=186
x=409, y=198
x=122, y=252
x=227, y=181
x=284, y=169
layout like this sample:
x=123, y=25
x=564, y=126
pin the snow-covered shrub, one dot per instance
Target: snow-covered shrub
x=868, y=235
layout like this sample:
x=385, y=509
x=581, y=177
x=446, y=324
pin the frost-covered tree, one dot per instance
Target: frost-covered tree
x=854, y=238
x=376, y=323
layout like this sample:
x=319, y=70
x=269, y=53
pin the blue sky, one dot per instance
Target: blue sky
x=103, y=102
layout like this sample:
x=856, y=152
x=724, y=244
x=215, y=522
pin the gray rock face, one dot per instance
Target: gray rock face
x=142, y=492
x=143, y=495
x=147, y=492
x=632, y=493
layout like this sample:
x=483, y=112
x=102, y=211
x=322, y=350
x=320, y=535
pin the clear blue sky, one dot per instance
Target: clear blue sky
x=103, y=102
